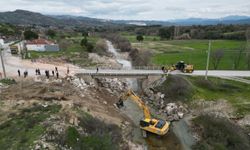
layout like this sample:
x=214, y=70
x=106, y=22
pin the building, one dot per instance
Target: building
x=41, y=45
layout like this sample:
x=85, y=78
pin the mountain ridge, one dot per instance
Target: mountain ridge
x=24, y=17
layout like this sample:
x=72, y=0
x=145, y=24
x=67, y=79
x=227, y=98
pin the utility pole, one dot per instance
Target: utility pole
x=208, y=57
x=1, y=48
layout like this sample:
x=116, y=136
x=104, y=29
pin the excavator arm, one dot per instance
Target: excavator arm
x=137, y=100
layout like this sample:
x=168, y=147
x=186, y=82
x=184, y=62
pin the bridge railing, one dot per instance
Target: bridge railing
x=125, y=68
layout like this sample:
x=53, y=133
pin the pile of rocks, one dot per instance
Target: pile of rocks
x=80, y=83
x=113, y=85
x=172, y=111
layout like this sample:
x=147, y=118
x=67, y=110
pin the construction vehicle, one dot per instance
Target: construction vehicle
x=147, y=124
x=14, y=49
x=182, y=66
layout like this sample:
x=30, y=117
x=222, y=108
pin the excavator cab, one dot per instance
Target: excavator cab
x=119, y=104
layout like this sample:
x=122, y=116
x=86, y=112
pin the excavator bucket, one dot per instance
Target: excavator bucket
x=119, y=104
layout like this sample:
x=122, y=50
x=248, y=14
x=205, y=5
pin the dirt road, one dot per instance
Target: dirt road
x=13, y=63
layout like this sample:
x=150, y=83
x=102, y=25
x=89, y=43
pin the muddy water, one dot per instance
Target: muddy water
x=152, y=142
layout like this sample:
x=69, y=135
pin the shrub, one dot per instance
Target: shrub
x=176, y=88
x=219, y=133
x=99, y=135
x=8, y=81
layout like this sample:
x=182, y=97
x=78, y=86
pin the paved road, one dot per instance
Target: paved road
x=118, y=72
x=12, y=64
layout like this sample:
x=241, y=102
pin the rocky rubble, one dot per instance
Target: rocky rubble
x=114, y=86
x=80, y=83
x=172, y=111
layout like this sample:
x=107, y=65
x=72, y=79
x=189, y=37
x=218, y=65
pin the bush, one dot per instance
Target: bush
x=8, y=81
x=176, y=88
x=140, y=58
x=20, y=131
x=120, y=42
x=99, y=135
x=219, y=133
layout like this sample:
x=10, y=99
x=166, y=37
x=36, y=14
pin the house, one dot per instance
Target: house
x=41, y=45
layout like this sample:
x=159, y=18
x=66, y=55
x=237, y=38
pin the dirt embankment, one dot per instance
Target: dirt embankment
x=76, y=98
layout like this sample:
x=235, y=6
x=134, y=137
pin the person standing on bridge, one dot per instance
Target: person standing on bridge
x=97, y=69
x=57, y=75
x=67, y=70
x=19, y=73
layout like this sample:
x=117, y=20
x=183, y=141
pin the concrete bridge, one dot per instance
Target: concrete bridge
x=145, y=73
x=119, y=73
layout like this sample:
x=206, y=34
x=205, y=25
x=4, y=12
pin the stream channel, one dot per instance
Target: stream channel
x=178, y=137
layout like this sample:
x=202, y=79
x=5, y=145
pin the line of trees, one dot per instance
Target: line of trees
x=232, y=32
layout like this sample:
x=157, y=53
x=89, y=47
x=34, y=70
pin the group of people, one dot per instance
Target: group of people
x=47, y=73
x=25, y=73
x=38, y=72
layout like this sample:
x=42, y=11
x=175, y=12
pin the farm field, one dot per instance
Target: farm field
x=191, y=51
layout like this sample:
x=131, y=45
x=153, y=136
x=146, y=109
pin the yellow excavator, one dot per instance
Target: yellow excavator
x=156, y=126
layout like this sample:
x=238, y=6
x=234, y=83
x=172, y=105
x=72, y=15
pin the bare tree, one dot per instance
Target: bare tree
x=237, y=57
x=248, y=48
x=216, y=58
x=141, y=57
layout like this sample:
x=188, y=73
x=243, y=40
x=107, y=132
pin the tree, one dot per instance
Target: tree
x=216, y=58
x=237, y=57
x=84, y=42
x=140, y=58
x=139, y=38
x=51, y=33
x=248, y=48
x=166, y=33
x=30, y=35
x=90, y=47
x=84, y=33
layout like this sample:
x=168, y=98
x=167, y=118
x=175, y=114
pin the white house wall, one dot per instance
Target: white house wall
x=32, y=47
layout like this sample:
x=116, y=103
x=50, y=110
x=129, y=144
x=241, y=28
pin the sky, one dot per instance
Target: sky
x=133, y=9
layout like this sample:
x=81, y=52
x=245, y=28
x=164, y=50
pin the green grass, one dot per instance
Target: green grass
x=189, y=89
x=23, y=129
x=169, y=52
x=195, y=52
x=95, y=142
x=99, y=135
x=236, y=93
x=7, y=81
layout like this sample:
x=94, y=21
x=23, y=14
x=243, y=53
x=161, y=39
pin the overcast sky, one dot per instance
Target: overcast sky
x=133, y=9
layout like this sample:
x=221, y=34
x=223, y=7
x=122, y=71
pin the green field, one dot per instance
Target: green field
x=190, y=51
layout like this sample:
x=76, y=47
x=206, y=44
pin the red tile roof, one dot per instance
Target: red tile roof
x=39, y=42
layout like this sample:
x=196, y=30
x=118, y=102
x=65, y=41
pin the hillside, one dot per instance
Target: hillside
x=26, y=17
x=23, y=17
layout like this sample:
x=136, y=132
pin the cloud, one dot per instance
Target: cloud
x=133, y=9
